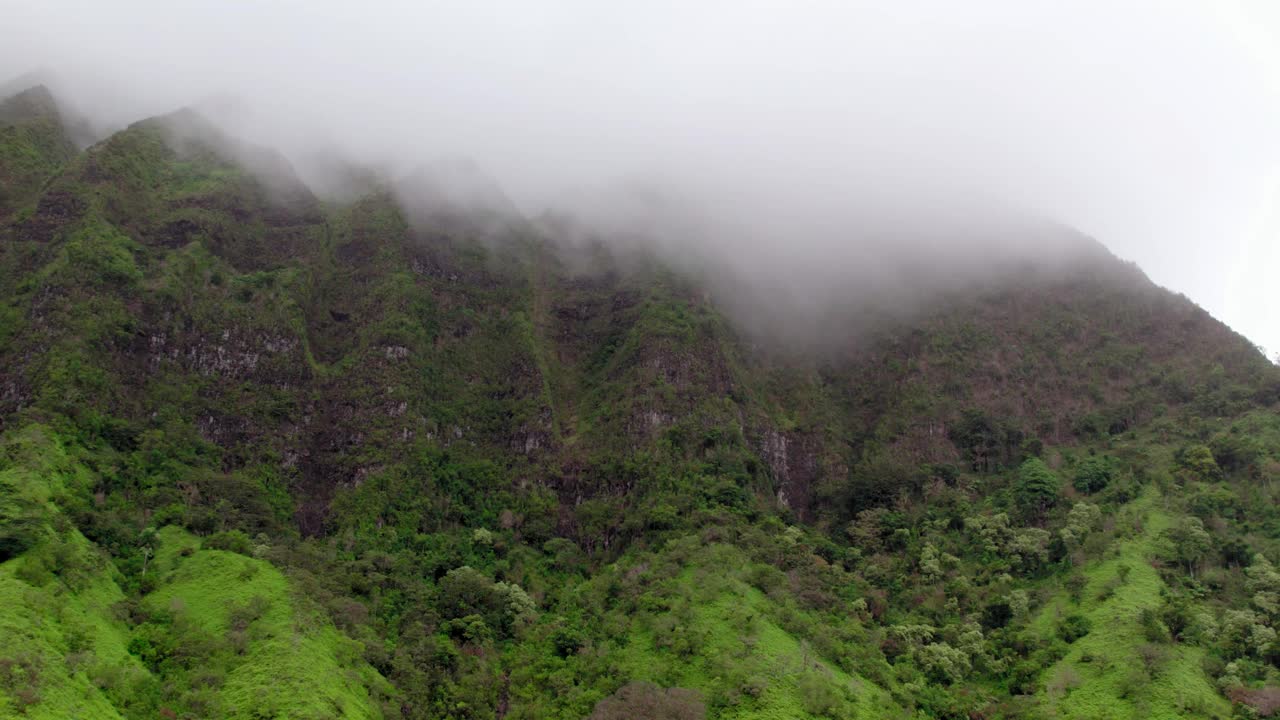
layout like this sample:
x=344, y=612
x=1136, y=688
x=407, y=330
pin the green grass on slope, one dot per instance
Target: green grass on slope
x=785, y=662
x=221, y=636
x=289, y=663
x=772, y=673
x=62, y=652
x=1105, y=674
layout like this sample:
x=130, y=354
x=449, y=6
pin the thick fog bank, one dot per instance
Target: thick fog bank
x=807, y=137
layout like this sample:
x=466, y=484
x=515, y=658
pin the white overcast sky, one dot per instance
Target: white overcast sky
x=1153, y=125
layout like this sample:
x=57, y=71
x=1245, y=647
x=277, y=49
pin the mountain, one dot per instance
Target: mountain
x=414, y=455
x=34, y=142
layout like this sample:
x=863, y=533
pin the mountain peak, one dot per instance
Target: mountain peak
x=33, y=103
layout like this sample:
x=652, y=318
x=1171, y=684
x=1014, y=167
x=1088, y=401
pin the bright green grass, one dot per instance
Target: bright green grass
x=783, y=659
x=68, y=635
x=62, y=626
x=744, y=642
x=173, y=541
x=59, y=619
x=294, y=666
x=1113, y=685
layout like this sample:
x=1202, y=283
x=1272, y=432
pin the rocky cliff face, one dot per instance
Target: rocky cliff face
x=316, y=344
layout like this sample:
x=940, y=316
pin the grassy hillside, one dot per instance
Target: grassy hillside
x=1116, y=670
x=270, y=456
x=207, y=632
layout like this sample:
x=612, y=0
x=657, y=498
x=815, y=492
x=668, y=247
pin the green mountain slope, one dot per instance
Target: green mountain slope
x=415, y=456
x=34, y=145
x=211, y=630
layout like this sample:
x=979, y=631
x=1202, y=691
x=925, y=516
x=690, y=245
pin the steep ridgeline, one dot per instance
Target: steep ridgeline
x=34, y=145
x=474, y=470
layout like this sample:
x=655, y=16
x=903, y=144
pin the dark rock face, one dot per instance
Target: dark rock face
x=55, y=211
x=330, y=346
x=794, y=465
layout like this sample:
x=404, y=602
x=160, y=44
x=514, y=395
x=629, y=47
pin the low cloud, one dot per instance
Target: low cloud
x=828, y=141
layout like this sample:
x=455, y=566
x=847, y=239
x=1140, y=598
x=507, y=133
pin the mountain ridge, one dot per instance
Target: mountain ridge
x=494, y=457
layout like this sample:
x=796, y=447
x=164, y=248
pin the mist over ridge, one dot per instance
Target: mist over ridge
x=830, y=144
x=800, y=272
x=697, y=361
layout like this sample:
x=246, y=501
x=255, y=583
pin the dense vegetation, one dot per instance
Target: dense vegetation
x=266, y=456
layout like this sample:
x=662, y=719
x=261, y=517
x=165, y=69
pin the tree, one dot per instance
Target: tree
x=1037, y=488
x=567, y=641
x=1028, y=551
x=1080, y=521
x=989, y=445
x=877, y=481
x=1197, y=461
x=943, y=663
x=515, y=606
x=1235, y=451
x=464, y=592
x=821, y=695
x=1264, y=586
x=1245, y=633
x=1093, y=474
x=930, y=563
x=1188, y=543
x=997, y=614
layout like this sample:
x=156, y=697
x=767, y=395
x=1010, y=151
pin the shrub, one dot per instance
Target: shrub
x=232, y=541
x=1264, y=702
x=1153, y=658
x=1235, y=451
x=1023, y=677
x=820, y=696
x=1076, y=585
x=242, y=616
x=1153, y=628
x=1065, y=681
x=19, y=673
x=1074, y=627
x=646, y=700
x=1093, y=474
x=100, y=254
x=567, y=641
